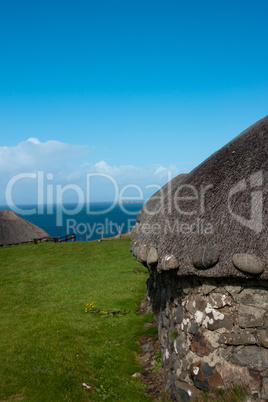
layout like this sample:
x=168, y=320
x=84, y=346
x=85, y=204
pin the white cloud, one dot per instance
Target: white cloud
x=35, y=155
x=69, y=164
x=33, y=140
x=103, y=167
x=160, y=169
x=142, y=173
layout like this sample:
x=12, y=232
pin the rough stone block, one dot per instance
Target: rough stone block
x=200, y=345
x=237, y=339
x=182, y=391
x=263, y=338
x=253, y=357
x=249, y=317
x=226, y=353
x=193, y=328
x=254, y=297
x=219, y=300
x=213, y=324
x=178, y=314
x=233, y=374
x=147, y=347
x=207, y=287
x=205, y=377
x=233, y=289
x=195, y=302
x=180, y=345
x=145, y=359
x=264, y=393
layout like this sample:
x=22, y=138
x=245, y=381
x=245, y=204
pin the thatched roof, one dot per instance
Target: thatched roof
x=14, y=229
x=221, y=230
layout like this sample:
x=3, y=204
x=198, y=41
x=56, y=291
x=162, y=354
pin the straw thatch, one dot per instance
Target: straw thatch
x=14, y=229
x=221, y=229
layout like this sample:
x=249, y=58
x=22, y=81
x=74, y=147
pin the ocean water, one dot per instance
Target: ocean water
x=87, y=221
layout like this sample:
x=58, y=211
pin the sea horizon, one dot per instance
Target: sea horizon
x=89, y=221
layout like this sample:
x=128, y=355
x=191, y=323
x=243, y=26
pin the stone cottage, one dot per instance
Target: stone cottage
x=204, y=240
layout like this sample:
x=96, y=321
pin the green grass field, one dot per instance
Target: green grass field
x=51, y=341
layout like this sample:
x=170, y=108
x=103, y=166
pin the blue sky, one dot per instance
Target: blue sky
x=131, y=88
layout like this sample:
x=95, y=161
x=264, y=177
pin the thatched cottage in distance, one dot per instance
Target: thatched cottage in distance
x=14, y=229
x=204, y=239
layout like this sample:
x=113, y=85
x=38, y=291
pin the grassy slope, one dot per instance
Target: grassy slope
x=49, y=344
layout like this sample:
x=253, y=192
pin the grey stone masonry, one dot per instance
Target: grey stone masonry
x=213, y=333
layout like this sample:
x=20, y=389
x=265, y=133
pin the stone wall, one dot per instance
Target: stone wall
x=213, y=333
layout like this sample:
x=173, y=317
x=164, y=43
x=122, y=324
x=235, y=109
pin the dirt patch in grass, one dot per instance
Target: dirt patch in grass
x=152, y=380
x=150, y=360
